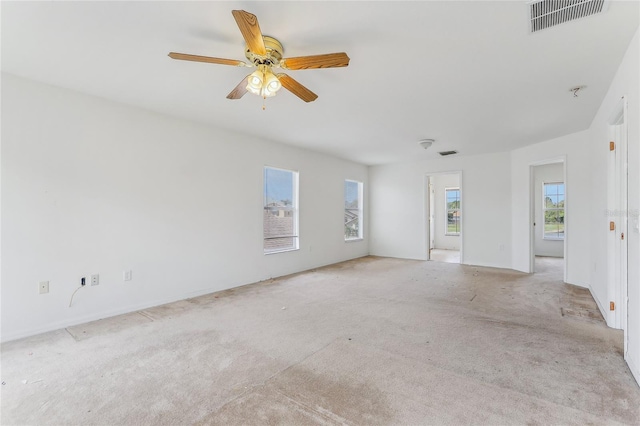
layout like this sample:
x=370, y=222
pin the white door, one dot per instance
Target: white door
x=618, y=221
x=432, y=224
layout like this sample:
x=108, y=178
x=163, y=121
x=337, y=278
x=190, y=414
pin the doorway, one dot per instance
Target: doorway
x=548, y=199
x=444, y=217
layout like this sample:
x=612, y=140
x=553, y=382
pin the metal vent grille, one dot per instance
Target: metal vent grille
x=443, y=153
x=548, y=13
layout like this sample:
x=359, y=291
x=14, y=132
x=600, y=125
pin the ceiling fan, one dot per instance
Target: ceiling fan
x=265, y=53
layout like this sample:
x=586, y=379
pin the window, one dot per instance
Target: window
x=553, y=210
x=452, y=196
x=280, y=215
x=352, y=210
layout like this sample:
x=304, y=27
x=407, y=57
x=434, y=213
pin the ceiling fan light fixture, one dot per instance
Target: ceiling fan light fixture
x=271, y=85
x=255, y=81
x=263, y=82
x=265, y=53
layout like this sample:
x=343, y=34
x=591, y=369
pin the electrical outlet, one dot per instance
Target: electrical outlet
x=95, y=279
x=43, y=287
x=126, y=275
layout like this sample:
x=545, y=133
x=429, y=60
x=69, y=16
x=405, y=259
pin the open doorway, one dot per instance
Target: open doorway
x=549, y=219
x=444, y=214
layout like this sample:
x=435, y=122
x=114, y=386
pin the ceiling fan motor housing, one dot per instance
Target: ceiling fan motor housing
x=274, y=55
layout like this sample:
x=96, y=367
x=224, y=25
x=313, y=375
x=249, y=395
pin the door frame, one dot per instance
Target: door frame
x=532, y=212
x=427, y=207
x=618, y=205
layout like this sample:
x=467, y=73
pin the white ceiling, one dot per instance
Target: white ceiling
x=468, y=74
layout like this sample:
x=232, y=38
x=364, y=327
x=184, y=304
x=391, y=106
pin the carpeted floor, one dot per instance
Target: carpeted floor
x=369, y=341
x=449, y=256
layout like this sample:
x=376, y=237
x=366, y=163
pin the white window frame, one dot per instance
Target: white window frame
x=447, y=210
x=294, y=209
x=360, y=210
x=545, y=209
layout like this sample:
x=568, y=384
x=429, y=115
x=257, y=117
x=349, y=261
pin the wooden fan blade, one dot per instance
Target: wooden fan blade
x=329, y=60
x=250, y=30
x=239, y=90
x=296, y=88
x=209, y=59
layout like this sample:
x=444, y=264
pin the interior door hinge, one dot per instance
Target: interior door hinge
x=612, y=226
x=612, y=306
x=612, y=146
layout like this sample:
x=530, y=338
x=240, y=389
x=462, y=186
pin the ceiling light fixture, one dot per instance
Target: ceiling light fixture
x=263, y=82
x=426, y=143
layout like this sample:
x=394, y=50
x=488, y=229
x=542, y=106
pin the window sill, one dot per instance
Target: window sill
x=353, y=240
x=266, y=253
x=452, y=235
x=552, y=239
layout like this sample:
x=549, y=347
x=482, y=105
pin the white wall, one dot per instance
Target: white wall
x=577, y=203
x=626, y=83
x=545, y=174
x=398, y=217
x=441, y=239
x=587, y=226
x=90, y=186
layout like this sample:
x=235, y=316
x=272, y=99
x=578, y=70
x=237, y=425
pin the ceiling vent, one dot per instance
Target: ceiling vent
x=548, y=13
x=445, y=153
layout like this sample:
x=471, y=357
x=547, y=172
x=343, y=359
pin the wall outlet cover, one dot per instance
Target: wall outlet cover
x=43, y=287
x=95, y=279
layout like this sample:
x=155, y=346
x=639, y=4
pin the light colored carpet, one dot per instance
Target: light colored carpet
x=369, y=341
x=440, y=255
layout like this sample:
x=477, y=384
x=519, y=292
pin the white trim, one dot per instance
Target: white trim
x=635, y=371
x=600, y=307
x=58, y=325
x=617, y=201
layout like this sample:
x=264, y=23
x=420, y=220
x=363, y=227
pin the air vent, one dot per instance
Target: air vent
x=444, y=153
x=548, y=13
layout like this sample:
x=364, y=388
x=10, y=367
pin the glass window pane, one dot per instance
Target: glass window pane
x=352, y=209
x=278, y=186
x=350, y=194
x=453, y=198
x=280, y=210
x=453, y=210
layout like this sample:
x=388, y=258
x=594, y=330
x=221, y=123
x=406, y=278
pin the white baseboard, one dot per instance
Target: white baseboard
x=604, y=313
x=58, y=325
x=635, y=371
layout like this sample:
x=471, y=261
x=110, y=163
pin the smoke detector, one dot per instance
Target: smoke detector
x=426, y=143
